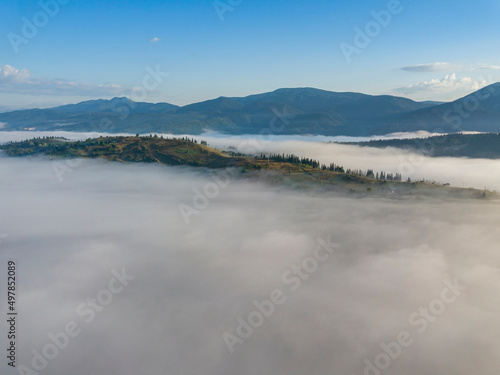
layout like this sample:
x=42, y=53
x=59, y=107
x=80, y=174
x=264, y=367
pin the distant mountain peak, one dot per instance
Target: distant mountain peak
x=308, y=111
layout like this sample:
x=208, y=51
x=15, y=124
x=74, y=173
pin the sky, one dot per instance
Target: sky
x=56, y=52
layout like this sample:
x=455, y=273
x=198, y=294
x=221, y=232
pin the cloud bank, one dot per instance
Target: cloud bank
x=433, y=67
x=447, y=84
x=460, y=172
x=20, y=81
x=191, y=283
x=444, y=66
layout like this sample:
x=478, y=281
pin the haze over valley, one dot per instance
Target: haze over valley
x=249, y=187
x=193, y=281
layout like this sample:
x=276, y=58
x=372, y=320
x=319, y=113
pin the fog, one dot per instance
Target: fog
x=190, y=285
x=460, y=172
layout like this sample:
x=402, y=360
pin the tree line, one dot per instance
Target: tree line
x=294, y=159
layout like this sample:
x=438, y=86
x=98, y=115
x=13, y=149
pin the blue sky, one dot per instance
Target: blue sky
x=427, y=50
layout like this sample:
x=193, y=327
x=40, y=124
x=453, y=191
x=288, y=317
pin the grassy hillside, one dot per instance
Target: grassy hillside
x=284, y=170
x=125, y=149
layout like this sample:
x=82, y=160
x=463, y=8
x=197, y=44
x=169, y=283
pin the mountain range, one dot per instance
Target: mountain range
x=300, y=111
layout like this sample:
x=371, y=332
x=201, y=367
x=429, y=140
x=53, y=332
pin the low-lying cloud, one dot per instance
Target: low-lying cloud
x=446, y=85
x=446, y=66
x=20, y=81
x=433, y=67
x=189, y=284
x=459, y=172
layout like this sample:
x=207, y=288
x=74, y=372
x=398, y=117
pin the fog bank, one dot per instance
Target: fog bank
x=189, y=283
x=460, y=172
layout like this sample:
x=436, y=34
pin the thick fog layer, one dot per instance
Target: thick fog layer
x=461, y=172
x=113, y=279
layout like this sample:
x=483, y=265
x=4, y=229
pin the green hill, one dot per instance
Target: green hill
x=125, y=149
x=279, y=169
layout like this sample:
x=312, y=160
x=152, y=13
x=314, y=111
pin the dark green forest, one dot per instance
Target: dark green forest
x=486, y=146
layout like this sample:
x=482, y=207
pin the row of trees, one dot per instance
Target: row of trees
x=384, y=176
x=102, y=140
x=37, y=140
x=294, y=159
x=187, y=139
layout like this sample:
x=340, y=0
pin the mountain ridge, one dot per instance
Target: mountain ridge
x=298, y=111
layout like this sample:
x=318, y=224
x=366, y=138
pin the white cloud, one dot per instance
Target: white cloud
x=489, y=67
x=19, y=81
x=433, y=67
x=447, y=84
x=10, y=74
x=446, y=66
x=155, y=40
